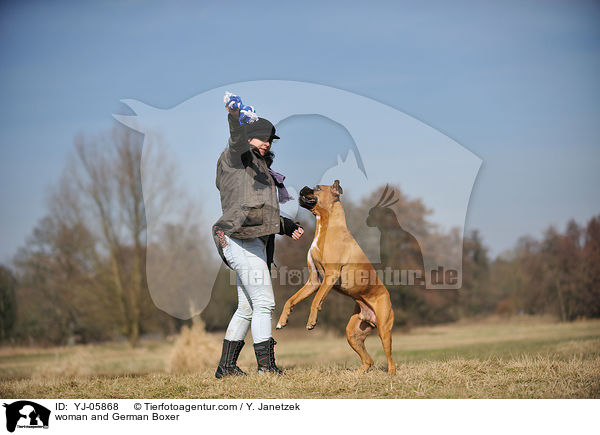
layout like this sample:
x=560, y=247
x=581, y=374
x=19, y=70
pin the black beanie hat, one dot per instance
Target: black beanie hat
x=261, y=129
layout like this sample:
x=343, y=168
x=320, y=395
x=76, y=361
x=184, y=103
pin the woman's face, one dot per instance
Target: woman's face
x=262, y=146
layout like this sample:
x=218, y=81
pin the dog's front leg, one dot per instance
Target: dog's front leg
x=328, y=282
x=307, y=289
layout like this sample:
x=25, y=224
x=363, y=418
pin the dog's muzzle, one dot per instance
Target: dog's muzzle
x=307, y=198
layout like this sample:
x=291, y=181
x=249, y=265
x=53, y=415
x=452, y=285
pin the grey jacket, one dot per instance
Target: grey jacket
x=248, y=193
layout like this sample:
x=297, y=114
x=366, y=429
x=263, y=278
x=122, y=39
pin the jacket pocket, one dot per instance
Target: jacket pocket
x=253, y=215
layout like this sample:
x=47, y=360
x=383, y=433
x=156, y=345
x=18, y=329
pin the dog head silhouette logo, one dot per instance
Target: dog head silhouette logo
x=389, y=147
x=26, y=414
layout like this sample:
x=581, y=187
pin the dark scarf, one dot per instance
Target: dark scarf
x=284, y=195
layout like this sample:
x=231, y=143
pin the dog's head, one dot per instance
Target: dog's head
x=321, y=197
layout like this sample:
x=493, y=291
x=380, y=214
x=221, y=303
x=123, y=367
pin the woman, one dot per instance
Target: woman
x=245, y=234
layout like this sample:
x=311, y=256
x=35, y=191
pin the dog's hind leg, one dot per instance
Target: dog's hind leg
x=385, y=321
x=357, y=331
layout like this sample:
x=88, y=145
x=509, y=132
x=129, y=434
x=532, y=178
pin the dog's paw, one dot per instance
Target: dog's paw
x=310, y=325
x=364, y=367
x=281, y=323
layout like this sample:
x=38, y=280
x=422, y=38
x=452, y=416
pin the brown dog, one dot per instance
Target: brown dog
x=336, y=261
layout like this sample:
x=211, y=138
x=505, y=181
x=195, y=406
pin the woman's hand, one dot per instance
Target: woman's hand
x=290, y=228
x=298, y=233
x=233, y=104
x=234, y=112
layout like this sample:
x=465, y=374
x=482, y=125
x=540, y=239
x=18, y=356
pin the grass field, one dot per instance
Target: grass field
x=495, y=358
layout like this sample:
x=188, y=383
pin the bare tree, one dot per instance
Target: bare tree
x=7, y=302
x=60, y=294
x=102, y=188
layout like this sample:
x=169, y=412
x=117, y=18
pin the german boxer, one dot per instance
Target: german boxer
x=335, y=260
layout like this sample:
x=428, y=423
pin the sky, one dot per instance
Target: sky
x=516, y=83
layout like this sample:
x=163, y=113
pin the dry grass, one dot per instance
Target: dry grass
x=523, y=358
x=193, y=350
x=64, y=367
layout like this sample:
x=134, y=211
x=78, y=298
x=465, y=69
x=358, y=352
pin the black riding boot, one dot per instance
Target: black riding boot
x=265, y=357
x=229, y=355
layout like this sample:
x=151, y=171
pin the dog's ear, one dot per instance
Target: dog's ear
x=337, y=189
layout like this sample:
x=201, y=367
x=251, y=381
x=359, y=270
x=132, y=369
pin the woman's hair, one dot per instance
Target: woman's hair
x=269, y=156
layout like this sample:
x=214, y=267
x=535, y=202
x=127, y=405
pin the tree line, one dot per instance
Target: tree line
x=81, y=274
